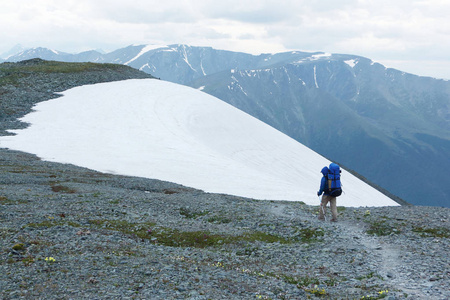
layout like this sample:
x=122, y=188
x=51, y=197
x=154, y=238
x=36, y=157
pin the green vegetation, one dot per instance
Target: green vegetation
x=13, y=72
x=176, y=238
x=192, y=214
x=300, y=281
x=116, y=201
x=6, y=201
x=28, y=260
x=318, y=292
x=380, y=295
x=439, y=232
x=381, y=228
x=309, y=235
x=219, y=220
x=307, y=283
x=19, y=247
x=51, y=222
x=368, y=276
x=170, y=192
x=341, y=209
x=63, y=189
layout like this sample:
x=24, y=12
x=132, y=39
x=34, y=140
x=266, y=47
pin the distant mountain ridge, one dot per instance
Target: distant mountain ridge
x=389, y=126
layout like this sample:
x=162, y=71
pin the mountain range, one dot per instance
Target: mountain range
x=389, y=126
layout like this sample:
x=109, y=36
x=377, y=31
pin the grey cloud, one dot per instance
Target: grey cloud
x=256, y=12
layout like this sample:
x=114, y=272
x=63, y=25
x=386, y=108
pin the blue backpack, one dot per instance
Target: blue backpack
x=334, y=180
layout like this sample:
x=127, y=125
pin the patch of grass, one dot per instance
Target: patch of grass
x=192, y=214
x=46, y=223
x=170, y=192
x=380, y=295
x=246, y=251
x=309, y=235
x=28, y=260
x=51, y=223
x=438, y=232
x=219, y=220
x=19, y=247
x=17, y=74
x=300, y=282
x=176, y=238
x=73, y=224
x=341, y=209
x=197, y=239
x=316, y=291
x=5, y=201
x=63, y=189
x=369, y=276
x=382, y=228
x=10, y=260
x=41, y=66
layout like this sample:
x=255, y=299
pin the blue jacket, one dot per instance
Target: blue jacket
x=324, y=183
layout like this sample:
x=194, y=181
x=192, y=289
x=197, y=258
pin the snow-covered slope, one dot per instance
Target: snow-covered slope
x=156, y=129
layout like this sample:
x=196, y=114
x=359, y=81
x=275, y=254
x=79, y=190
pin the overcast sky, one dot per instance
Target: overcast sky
x=409, y=35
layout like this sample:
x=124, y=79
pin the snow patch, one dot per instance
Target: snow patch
x=145, y=50
x=320, y=56
x=313, y=57
x=185, y=58
x=315, y=77
x=352, y=62
x=201, y=66
x=156, y=129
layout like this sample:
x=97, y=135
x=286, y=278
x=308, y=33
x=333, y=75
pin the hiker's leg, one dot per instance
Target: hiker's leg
x=323, y=207
x=321, y=216
x=333, y=209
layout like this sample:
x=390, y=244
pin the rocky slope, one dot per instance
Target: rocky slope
x=70, y=233
x=25, y=83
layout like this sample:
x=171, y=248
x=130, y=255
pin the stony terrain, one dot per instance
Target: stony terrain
x=28, y=82
x=71, y=233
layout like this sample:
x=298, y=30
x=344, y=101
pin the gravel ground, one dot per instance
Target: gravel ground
x=71, y=233
x=116, y=237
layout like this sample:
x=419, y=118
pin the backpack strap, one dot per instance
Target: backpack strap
x=329, y=181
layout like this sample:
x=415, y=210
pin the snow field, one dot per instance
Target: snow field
x=156, y=129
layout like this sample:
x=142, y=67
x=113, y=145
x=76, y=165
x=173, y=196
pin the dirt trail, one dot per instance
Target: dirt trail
x=386, y=255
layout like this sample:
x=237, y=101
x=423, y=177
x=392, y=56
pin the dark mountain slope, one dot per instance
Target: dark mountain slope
x=389, y=126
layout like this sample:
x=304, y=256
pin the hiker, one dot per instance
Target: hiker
x=329, y=194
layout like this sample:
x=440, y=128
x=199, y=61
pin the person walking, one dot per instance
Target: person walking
x=325, y=190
